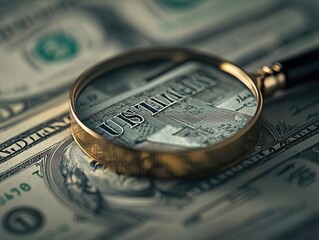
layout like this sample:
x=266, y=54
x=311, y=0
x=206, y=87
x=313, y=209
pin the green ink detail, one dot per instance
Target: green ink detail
x=13, y=193
x=25, y=187
x=57, y=46
x=179, y=4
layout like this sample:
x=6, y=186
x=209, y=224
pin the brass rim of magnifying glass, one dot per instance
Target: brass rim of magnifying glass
x=184, y=163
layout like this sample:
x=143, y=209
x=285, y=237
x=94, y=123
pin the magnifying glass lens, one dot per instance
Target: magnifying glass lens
x=165, y=113
x=172, y=112
x=166, y=105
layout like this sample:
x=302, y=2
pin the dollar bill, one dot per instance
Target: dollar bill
x=56, y=191
x=50, y=43
x=49, y=189
x=172, y=21
x=181, y=118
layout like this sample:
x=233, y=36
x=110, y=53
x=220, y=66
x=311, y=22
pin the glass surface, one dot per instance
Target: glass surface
x=166, y=105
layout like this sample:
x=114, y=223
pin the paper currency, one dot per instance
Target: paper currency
x=52, y=42
x=172, y=21
x=50, y=190
x=43, y=49
x=182, y=120
x=57, y=191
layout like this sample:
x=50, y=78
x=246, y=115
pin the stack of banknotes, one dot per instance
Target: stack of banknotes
x=49, y=189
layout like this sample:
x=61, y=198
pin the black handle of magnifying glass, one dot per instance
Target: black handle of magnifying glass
x=300, y=69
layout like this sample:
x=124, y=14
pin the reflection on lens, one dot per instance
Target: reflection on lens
x=165, y=105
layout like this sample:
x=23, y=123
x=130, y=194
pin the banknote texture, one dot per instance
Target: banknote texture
x=49, y=189
x=187, y=107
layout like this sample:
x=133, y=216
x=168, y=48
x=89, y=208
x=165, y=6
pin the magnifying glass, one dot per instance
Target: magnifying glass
x=168, y=112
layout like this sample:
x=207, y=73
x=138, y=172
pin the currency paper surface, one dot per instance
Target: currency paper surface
x=49, y=189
